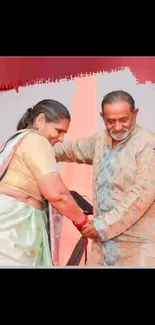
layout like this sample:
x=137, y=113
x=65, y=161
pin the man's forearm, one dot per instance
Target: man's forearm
x=120, y=219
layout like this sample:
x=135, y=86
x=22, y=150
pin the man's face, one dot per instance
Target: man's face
x=119, y=120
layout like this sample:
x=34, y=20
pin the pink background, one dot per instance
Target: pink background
x=82, y=96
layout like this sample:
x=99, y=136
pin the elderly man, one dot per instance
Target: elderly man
x=123, y=159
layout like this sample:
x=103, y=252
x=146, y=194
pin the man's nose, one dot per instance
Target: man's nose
x=118, y=126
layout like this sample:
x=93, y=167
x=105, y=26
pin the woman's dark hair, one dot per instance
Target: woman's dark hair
x=54, y=112
x=118, y=95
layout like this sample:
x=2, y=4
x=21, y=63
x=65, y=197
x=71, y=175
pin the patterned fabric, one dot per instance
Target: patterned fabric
x=123, y=195
x=23, y=235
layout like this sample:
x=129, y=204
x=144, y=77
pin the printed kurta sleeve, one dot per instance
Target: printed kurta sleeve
x=38, y=155
x=80, y=151
x=141, y=196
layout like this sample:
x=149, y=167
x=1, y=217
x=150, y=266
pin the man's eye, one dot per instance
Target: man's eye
x=124, y=120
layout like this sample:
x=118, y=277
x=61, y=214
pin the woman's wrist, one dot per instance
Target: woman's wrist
x=80, y=225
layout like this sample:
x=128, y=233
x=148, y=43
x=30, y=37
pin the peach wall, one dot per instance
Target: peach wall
x=79, y=177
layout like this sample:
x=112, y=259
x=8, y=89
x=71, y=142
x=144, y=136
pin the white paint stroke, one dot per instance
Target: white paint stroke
x=13, y=104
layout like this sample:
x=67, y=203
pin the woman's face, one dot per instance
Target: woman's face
x=53, y=132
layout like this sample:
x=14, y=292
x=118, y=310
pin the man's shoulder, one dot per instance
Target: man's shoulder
x=94, y=137
x=102, y=134
x=92, y=140
x=146, y=135
x=145, y=140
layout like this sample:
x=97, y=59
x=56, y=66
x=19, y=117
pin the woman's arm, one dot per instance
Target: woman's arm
x=54, y=190
x=38, y=155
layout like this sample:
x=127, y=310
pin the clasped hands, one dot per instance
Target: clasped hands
x=89, y=231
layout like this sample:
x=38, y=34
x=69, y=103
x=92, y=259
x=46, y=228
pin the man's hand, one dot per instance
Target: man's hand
x=89, y=231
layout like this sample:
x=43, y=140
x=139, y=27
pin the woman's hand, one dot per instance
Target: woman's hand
x=89, y=231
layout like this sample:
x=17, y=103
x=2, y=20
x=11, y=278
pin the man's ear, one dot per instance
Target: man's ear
x=136, y=112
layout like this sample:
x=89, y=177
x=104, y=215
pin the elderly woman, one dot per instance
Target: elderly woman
x=28, y=177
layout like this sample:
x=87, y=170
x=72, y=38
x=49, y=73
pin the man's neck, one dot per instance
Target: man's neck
x=115, y=143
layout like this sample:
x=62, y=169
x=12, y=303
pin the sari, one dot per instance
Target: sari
x=24, y=239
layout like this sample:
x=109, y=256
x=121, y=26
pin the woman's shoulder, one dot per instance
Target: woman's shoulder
x=33, y=140
x=38, y=154
x=34, y=136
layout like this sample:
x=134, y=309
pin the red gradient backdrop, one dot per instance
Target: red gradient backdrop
x=15, y=71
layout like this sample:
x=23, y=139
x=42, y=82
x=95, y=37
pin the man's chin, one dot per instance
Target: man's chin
x=119, y=139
